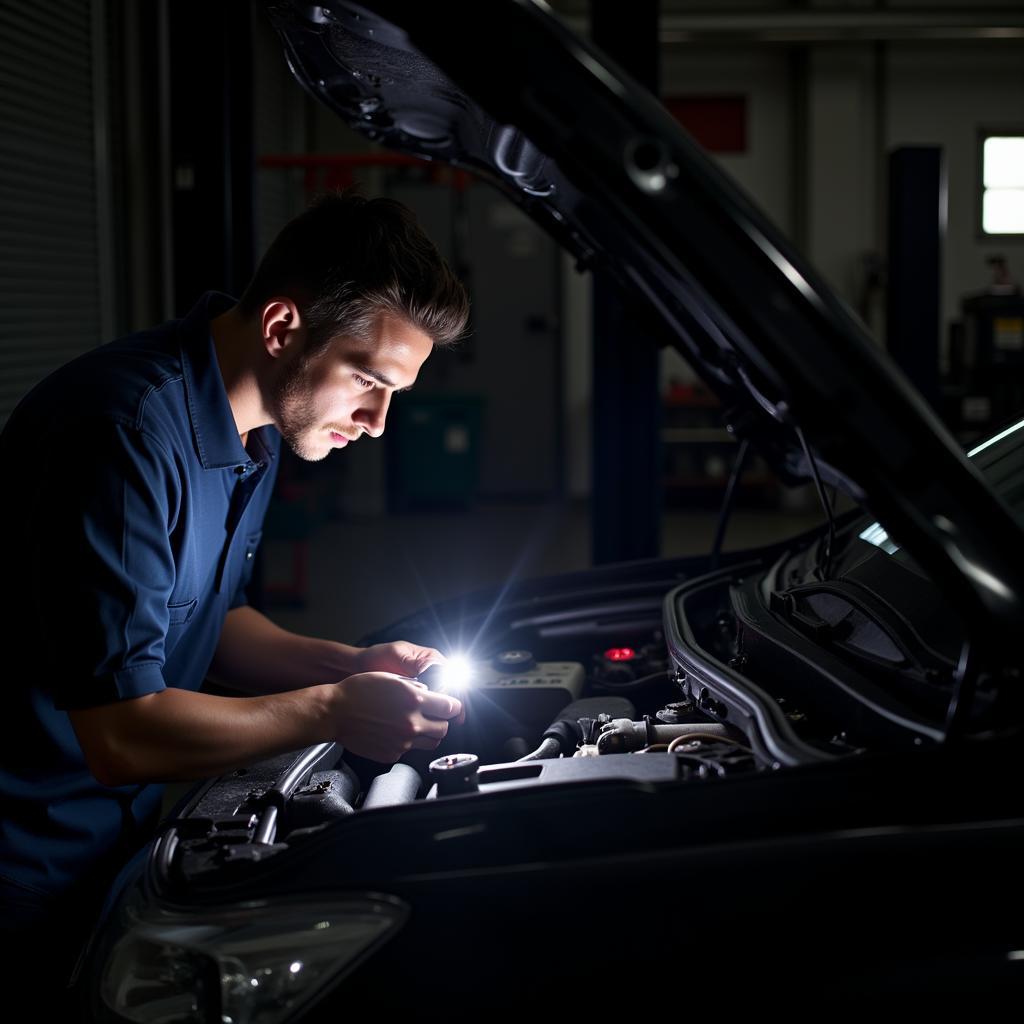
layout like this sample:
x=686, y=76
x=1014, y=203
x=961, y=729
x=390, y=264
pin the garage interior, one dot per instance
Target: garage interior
x=153, y=150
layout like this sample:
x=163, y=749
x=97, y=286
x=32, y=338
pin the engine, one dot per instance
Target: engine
x=624, y=715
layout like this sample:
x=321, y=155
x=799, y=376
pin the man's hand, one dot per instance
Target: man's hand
x=382, y=716
x=401, y=658
x=404, y=659
x=256, y=656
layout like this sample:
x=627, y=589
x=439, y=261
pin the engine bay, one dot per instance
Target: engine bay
x=648, y=683
x=617, y=709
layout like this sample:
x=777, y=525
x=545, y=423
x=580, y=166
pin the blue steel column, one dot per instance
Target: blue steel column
x=212, y=164
x=917, y=224
x=625, y=479
x=212, y=176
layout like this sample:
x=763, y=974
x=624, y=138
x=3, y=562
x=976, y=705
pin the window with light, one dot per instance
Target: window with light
x=1002, y=198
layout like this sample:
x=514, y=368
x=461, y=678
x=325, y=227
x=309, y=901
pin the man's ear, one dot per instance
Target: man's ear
x=280, y=323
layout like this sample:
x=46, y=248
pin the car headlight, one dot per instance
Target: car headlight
x=250, y=963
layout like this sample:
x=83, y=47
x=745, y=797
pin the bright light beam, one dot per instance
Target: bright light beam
x=456, y=674
x=530, y=548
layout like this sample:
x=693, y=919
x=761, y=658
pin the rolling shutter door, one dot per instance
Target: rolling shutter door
x=51, y=282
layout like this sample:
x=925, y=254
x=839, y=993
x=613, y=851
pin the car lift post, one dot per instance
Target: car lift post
x=625, y=481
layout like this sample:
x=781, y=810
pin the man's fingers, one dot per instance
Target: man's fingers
x=427, y=656
x=439, y=705
x=430, y=735
x=384, y=714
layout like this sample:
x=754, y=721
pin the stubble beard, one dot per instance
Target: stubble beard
x=294, y=415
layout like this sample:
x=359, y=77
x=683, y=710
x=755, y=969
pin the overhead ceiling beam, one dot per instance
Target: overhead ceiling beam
x=809, y=26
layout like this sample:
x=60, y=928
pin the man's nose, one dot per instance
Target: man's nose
x=373, y=412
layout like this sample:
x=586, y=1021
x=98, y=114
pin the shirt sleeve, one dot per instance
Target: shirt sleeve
x=103, y=532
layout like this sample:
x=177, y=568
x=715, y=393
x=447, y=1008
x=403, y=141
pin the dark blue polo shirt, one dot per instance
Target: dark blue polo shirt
x=130, y=518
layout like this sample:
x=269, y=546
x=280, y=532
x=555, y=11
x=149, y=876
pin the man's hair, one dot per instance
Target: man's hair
x=347, y=259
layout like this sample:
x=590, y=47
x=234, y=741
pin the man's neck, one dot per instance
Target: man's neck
x=235, y=344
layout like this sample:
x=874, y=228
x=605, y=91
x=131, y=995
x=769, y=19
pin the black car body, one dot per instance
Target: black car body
x=805, y=782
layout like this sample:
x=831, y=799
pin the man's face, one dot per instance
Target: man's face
x=344, y=391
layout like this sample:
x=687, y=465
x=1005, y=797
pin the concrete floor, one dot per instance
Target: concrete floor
x=364, y=574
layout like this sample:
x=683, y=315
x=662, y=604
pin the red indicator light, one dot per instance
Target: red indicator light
x=620, y=654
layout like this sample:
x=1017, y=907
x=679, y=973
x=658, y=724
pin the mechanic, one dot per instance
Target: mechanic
x=137, y=478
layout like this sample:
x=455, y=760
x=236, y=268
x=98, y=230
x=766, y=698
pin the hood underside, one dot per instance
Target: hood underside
x=598, y=162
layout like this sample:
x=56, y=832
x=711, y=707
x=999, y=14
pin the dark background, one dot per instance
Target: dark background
x=152, y=150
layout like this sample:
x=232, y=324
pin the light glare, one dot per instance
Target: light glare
x=456, y=674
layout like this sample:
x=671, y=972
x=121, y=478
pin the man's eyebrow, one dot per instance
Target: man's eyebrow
x=376, y=375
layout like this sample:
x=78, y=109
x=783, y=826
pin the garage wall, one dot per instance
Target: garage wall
x=816, y=150
x=280, y=126
x=54, y=201
x=765, y=170
x=763, y=77
x=577, y=332
x=943, y=94
x=822, y=119
x=863, y=100
x=867, y=100
x=842, y=165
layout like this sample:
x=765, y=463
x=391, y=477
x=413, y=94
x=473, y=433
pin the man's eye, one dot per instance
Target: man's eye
x=362, y=381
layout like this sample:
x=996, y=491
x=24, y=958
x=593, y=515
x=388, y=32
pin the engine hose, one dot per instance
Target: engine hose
x=624, y=736
x=548, y=748
x=679, y=741
x=400, y=785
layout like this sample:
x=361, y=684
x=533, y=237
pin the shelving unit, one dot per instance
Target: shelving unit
x=698, y=455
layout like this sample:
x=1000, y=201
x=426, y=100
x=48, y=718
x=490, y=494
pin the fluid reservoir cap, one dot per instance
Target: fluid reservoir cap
x=620, y=654
x=514, y=661
x=455, y=773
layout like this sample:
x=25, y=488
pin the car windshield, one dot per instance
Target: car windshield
x=1000, y=459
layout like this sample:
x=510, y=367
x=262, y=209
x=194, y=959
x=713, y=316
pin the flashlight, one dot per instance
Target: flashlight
x=454, y=676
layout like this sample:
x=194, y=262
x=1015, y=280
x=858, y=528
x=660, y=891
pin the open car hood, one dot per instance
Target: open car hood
x=594, y=159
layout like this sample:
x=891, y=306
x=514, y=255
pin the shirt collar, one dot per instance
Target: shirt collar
x=213, y=424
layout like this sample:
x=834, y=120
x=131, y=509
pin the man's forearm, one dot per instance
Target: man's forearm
x=254, y=655
x=177, y=734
